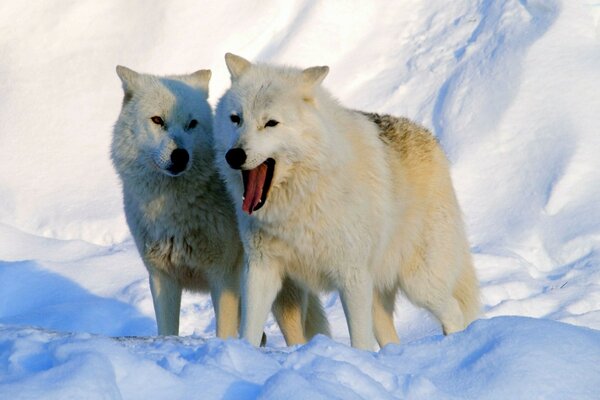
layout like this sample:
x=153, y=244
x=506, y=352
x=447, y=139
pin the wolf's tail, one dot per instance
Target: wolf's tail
x=315, y=320
x=466, y=292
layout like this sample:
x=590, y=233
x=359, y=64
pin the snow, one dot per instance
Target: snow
x=499, y=358
x=512, y=91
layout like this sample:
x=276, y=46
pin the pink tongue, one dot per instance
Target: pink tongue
x=254, y=188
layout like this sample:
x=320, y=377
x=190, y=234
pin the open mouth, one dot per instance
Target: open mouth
x=257, y=183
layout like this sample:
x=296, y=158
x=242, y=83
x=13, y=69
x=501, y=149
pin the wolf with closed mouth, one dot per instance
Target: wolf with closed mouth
x=339, y=199
x=178, y=209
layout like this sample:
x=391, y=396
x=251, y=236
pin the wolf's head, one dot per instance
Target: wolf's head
x=265, y=124
x=162, y=122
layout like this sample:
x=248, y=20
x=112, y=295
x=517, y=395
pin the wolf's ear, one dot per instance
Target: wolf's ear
x=236, y=65
x=128, y=77
x=200, y=79
x=313, y=76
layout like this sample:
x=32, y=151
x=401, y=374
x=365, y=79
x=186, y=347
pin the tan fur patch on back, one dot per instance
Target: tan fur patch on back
x=403, y=135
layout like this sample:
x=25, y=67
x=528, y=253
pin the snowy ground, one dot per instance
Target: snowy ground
x=501, y=358
x=511, y=89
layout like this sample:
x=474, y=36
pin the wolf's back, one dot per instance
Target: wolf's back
x=405, y=136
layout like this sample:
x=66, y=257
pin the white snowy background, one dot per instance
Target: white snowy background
x=510, y=88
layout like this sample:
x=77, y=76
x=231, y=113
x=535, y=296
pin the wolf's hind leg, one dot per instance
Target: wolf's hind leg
x=226, y=301
x=449, y=314
x=426, y=289
x=315, y=320
x=383, y=317
x=288, y=309
x=299, y=314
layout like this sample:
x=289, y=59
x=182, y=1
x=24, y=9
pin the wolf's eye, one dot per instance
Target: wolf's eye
x=235, y=119
x=271, y=123
x=193, y=124
x=158, y=120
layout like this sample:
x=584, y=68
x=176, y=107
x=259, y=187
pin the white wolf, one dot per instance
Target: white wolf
x=339, y=199
x=177, y=206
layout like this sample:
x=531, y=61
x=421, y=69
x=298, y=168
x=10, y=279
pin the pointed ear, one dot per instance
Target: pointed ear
x=236, y=65
x=128, y=78
x=200, y=79
x=313, y=76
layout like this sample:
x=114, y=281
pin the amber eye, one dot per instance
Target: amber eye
x=235, y=119
x=158, y=120
x=271, y=123
x=193, y=124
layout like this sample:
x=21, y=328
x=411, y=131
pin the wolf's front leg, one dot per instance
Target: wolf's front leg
x=262, y=281
x=166, y=295
x=356, y=294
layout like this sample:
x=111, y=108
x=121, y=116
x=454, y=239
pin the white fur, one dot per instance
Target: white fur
x=184, y=224
x=347, y=209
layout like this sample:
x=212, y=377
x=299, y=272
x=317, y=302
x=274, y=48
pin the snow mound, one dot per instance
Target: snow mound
x=500, y=358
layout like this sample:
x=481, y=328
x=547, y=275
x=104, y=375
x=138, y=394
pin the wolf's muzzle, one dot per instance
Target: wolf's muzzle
x=179, y=161
x=236, y=158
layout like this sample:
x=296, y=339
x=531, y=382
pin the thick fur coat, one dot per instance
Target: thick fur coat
x=359, y=203
x=177, y=207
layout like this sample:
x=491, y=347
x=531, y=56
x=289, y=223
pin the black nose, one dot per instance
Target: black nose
x=179, y=160
x=236, y=158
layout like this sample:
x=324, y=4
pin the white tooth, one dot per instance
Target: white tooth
x=243, y=198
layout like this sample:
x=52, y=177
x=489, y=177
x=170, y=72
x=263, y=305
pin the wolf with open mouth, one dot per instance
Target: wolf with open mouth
x=339, y=199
